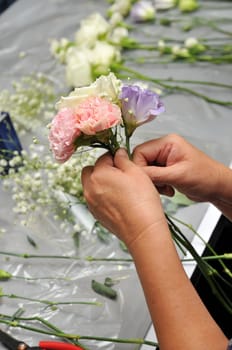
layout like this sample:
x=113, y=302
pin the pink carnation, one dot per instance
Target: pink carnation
x=96, y=114
x=63, y=132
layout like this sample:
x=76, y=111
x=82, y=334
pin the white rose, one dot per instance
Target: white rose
x=78, y=68
x=107, y=87
x=91, y=29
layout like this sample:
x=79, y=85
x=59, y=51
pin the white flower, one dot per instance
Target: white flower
x=118, y=34
x=92, y=28
x=59, y=49
x=115, y=19
x=107, y=87
x=3, y=162
x=180, y=52
x=120, y=6
x=78, y=68
x=194, y=46
x=176, y=49
x=161, y=46
x=102, y=56
x=191, y=42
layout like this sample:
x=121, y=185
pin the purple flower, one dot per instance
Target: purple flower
x=142, y=11
x=139, y=106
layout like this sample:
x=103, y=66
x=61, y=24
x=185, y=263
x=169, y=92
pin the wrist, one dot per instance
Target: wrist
x=223, y=188
x=156, y=233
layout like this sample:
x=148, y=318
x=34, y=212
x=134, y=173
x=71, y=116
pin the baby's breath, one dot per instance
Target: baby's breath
x=35, y=180
x=30, y=103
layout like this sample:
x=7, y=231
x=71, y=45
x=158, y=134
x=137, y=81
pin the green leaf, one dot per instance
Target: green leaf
x=104, y=290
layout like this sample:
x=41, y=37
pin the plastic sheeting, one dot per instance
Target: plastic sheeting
x=27, y=27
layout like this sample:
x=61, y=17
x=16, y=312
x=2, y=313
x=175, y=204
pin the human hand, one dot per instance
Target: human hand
x=121, y=196
x=171, y=162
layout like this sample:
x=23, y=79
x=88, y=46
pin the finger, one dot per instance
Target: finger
x=150, y=152
x=160, y=175
x=105, y=160
x=121, y=160
x=85, y=175
x=166, y=190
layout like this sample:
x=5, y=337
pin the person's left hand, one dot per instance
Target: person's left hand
x=121, y=196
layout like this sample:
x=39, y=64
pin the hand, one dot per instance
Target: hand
x=121, y=196
x=171, y=162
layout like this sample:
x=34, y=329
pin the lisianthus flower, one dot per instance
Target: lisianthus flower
x=63, y=132
x=96, y=114
x=120, y=6
x=102, y=56
x=78, y=67
x=139, y=106
x=106, y=86
x=91, y=29
x=143, y=11
x=118, y=34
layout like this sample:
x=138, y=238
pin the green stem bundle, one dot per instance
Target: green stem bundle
x=174, y=88
x=67, y=336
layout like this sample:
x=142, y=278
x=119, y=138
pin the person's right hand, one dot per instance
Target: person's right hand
x=171, y=162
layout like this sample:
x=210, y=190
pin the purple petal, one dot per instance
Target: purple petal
x=139, y=105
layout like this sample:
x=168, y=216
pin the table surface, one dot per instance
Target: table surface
x=27, y=26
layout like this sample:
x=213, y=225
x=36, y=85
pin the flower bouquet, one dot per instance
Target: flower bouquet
x=96, y=115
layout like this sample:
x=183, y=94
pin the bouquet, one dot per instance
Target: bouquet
x=104, y=114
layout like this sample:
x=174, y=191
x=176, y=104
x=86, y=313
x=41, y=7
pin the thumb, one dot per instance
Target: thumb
x=121, y=159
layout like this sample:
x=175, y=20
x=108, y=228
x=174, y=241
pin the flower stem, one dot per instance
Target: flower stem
x=65, y=257
x=184, y=81
x=48, y=302
x=190, y=227
x=207, y=271
x=17, y=317
x=172, y=88
x=78, y=337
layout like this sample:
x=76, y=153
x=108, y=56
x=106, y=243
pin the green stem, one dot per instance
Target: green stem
x=158, y=81
x=41, y=320
x=65, y=257
x=190, y=227
x=226, y=256
x=48, y=302
x=171, y=88
x=78, y=337
x=41, y=278
x=207, y=271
